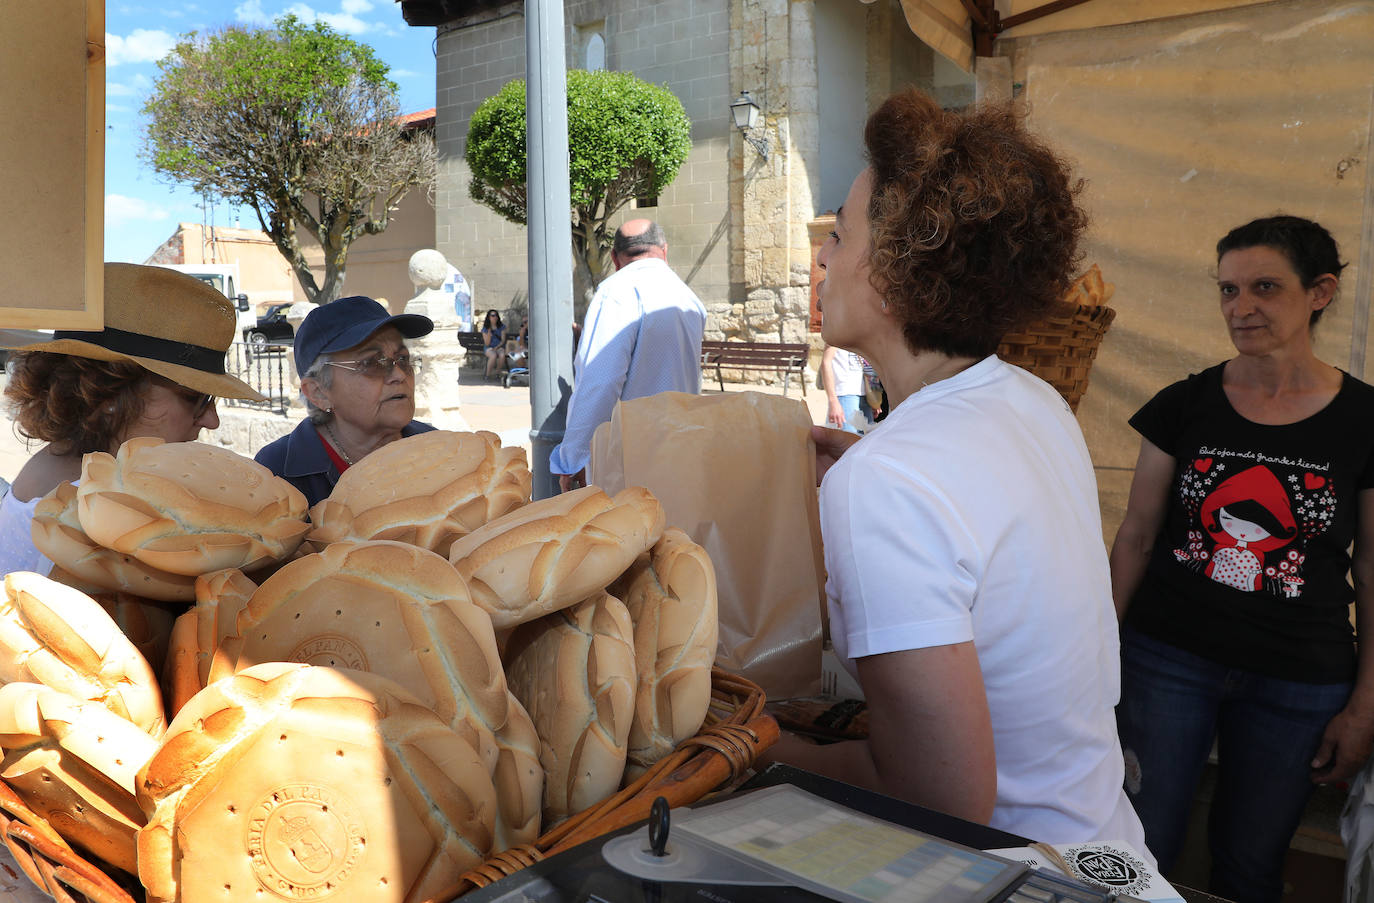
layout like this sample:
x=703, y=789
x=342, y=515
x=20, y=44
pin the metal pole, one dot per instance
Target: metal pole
x=548, y=209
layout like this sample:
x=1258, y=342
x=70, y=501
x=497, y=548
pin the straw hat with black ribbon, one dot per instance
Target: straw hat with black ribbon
x=167, y=322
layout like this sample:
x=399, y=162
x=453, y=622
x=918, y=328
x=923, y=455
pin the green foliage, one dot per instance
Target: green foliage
x=627, y=138
x=298, y=122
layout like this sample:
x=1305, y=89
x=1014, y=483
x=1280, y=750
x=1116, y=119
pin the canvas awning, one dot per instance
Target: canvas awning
x=950, y=26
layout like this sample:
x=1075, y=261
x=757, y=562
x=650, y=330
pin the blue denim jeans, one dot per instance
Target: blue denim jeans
x=850, y=405
x=1173, y=704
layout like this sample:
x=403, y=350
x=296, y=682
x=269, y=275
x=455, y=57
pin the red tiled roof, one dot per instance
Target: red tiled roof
x=419, y=120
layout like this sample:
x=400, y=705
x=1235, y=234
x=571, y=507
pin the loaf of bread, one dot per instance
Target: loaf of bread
x=574, y=671
x=220, y=596
x=402, y=612
x=74, y=762
x=556, y=551
x=180, y=678
x=189, y=508
x=426, y=490
x=147, y=623
x=57, y=533
x=55, y=635
x=293, y=782
x=671, y=596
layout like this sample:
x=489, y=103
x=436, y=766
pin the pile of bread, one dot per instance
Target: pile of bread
x=366, y=699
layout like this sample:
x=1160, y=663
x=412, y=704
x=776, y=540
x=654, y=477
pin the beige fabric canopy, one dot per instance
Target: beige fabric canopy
x=946, y=25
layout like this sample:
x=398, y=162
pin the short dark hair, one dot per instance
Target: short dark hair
x=974, y=222
x=1307, y=246
x=635, y=245
x=77, y=404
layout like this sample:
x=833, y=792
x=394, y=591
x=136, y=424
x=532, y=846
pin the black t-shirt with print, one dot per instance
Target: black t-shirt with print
x=1251, y=569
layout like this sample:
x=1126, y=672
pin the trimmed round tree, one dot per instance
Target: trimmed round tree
x=627, y=138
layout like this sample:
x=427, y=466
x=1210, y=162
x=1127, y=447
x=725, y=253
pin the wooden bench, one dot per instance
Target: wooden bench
x=475, y=347
x=783, y=358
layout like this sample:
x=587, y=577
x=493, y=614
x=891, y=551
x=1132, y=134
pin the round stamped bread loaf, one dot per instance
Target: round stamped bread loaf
x=74, y=762
x=57, y=533
x=189, y=508
x=402, y=612
x=58, y=636
x=426, y=490
x=574, y=671
x=671, y=596
x=555, y=552
x=293, y=782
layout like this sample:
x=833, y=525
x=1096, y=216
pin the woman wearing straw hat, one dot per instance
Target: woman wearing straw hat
x=155, y=369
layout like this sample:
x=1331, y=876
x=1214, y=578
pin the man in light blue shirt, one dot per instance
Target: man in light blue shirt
x=642, y=336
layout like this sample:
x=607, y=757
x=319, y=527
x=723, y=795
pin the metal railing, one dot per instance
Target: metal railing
x=266, y=368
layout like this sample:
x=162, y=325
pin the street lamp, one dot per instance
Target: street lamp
x=746, y=116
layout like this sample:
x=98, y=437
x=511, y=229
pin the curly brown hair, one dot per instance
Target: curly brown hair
x=76, y=404
x=974, y=223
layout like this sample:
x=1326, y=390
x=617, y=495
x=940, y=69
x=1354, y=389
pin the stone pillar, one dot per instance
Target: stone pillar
x=772, y=55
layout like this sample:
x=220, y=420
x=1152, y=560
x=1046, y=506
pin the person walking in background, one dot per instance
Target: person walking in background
x=842, y=377
x=642, y=336
x=1231, y=573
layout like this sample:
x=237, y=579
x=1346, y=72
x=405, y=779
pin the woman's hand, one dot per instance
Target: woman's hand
x=830, y=444
x=1345, y=747
x=834, y=415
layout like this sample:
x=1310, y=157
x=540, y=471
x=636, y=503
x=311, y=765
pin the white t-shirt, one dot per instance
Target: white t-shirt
x=17, y=551
x=971, y=513
x=848, y=370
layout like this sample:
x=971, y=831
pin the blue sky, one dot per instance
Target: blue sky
x=141, y=208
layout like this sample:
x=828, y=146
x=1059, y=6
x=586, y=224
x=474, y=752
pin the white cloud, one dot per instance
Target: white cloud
x=402, y=73
x=143, y=45
x=121, y=208
x=117, y=108
x=345, y=20
x=250, y=13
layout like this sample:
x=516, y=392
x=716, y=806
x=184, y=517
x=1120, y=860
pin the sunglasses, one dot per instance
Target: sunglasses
x=199, y=402
x=379, y=366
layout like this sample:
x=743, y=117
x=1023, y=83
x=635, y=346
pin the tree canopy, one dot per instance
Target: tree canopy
x=627, y=138
x=299, y=123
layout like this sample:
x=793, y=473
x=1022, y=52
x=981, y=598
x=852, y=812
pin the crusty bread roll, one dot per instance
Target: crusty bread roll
x=189, y=508
x=671, y=596
x=57, y=533
x=58, y=636
x=220, y=596
x=556, y=551
x=427, y=490
x=146, y=622
x=293, y=782
x=574, y=671
x=180, y=677
x=402, y=612
x=73, y=762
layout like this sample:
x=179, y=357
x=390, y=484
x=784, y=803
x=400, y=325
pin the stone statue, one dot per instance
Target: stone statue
x=448, y=302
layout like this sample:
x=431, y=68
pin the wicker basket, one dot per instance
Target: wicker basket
x=736, y=730
x=1061, y=346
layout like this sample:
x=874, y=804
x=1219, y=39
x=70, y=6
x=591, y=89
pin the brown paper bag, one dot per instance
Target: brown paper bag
x=737, y=473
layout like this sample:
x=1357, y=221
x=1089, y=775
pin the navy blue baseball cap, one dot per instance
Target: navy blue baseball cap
x=347, y=322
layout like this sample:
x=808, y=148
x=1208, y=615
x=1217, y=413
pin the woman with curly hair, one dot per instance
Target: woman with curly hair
x=153, y=370
x=968, y=586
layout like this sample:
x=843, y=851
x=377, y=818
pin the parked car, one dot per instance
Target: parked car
x=272, y=328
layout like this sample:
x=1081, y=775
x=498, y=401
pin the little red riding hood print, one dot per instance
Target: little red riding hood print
x=1247, y=531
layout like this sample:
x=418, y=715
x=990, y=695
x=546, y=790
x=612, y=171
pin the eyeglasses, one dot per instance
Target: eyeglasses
x=379, y=366
x=202, y=404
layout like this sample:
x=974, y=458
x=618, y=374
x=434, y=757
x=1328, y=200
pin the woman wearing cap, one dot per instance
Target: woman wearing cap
x=358, y=380
x=154, y=370
x=967, y=585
